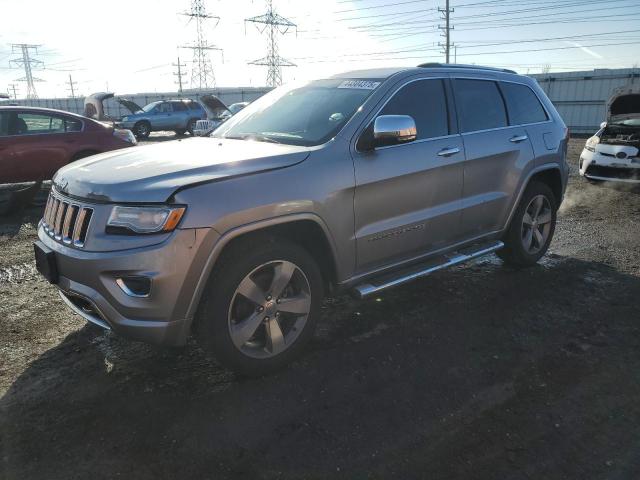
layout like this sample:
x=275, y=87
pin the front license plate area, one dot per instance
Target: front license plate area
x=46, y=261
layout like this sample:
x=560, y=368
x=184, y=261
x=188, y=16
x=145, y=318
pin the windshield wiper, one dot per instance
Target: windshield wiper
x=252, y=136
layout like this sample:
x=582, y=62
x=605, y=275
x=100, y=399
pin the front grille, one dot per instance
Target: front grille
x=612, y=172
x=66, y=221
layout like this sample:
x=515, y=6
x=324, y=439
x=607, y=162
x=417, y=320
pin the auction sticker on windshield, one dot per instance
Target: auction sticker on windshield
x=361, y=84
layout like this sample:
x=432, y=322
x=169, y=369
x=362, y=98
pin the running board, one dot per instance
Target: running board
x=423, y=269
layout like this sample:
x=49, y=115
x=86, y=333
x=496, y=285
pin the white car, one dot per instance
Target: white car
x=205, y=127
x=612, y=153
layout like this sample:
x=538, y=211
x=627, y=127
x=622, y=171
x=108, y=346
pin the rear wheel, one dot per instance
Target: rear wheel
x=180, y=132
x=142, y=129
x=531, y=228
x=191, y=126
x=261, y=306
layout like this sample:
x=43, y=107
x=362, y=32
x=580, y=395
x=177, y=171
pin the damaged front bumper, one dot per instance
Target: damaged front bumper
x=612, y=163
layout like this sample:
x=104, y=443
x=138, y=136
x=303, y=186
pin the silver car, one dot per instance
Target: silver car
x=358, y=182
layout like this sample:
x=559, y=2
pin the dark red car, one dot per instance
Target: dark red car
x=36, y=142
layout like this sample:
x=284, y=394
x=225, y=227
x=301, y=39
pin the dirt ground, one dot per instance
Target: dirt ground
x=480, y=372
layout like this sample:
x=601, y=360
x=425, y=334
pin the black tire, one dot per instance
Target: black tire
x=142, y=129
x=191, y=125
x=514, y=251
x=212, y=323
x=180, y=132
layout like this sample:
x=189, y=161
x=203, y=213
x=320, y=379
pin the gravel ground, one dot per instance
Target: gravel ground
x=479, y=372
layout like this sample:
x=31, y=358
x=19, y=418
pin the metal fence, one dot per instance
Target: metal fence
x=581, y=97
x=115, y=110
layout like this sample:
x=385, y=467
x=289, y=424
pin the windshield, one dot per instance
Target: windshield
x=151, y=106
x=304, y=115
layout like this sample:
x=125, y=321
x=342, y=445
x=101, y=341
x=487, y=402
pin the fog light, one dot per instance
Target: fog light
x=135, y=286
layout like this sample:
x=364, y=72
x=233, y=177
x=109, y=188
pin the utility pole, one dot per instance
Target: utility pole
x=275, y=24
x=13, y=87
x=72, y=85
x=202, y=74
x=446, y=12
x=179, y=74
x=29, y=64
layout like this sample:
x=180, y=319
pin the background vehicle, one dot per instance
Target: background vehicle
x=35, y=142
x=612, y=154
x=178, y=115
x=358, y=182
x=205, y=127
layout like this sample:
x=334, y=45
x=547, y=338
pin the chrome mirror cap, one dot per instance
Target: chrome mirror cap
x=390, y=129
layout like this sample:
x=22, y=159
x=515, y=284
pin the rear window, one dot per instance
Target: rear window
x=522, y=104
x=480, y=105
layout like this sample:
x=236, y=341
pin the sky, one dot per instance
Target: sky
x=128, y=46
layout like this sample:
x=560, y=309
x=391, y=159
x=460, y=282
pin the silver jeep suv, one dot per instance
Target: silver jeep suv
x=358, y=182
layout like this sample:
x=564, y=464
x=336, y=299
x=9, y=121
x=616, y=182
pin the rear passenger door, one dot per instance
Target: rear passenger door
x=407, y=196
x=180, y=115
x=498, y=155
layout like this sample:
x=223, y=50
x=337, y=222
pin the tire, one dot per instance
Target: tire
x=142, y=129
x=180, y=132
x=237, y=330
x=191, y=125
x=517, y=237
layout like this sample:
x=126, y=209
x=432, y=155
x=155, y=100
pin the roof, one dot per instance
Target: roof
x=40, y=109
x=383, y=73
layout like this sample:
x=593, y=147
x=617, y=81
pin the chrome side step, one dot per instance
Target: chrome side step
x=423, y=269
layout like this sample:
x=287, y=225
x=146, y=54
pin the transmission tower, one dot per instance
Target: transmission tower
x=275, y=25
x=180, y=73
x=202, y=75
x=446, y=14
x=28, y=63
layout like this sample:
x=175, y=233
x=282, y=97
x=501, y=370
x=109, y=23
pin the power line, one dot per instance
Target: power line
x=29, y=64
x=274, y=24
x=202, y=73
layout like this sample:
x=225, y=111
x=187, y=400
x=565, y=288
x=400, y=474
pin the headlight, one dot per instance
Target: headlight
x=125, y=135
x=125, y=119
x=145, y=219
x=591, y=143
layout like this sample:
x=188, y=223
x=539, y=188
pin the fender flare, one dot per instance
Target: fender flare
x=525, y=184
x=226, y=237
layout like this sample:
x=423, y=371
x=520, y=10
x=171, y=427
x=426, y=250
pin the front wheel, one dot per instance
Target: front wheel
x=261, y=306
x=142, y=129
x=191, y=126
x=531, y=228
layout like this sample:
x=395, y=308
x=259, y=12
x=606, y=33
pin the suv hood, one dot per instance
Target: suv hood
x=151, y=174
x=624, y=103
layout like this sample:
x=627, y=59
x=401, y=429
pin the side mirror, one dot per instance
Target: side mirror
x=394, y=129
x=603, y=124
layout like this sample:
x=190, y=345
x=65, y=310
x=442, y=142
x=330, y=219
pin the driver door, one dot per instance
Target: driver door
x=408, y=196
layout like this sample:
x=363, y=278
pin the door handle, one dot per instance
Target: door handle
x=518, y=138
x=447, y=152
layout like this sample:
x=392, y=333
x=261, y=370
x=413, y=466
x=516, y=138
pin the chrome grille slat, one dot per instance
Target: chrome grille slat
x=66, y=221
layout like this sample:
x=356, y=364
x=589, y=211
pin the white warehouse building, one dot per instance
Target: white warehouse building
x=581, y=97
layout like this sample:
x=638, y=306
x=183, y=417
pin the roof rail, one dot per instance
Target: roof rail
x=460, y=65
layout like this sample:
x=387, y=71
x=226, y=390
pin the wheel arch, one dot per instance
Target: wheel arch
x=549, y=174
x=307, y=230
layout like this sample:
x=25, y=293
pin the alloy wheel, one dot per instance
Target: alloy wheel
x=536, y=224
x=269, y=309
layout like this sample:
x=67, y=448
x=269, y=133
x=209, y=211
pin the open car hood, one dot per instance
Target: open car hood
x=93, y=106
x=130, y=105
x=151, y=174
x=216, y=107
x=624, y=103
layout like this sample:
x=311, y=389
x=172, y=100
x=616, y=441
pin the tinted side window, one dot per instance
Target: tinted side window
x=426, y=102
x=479, y=104
x=164, y=107
x=178, y=106
x=4, y=124
x=194, y=105
x=72, y=125
x=34, y=123
x=523, y=105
